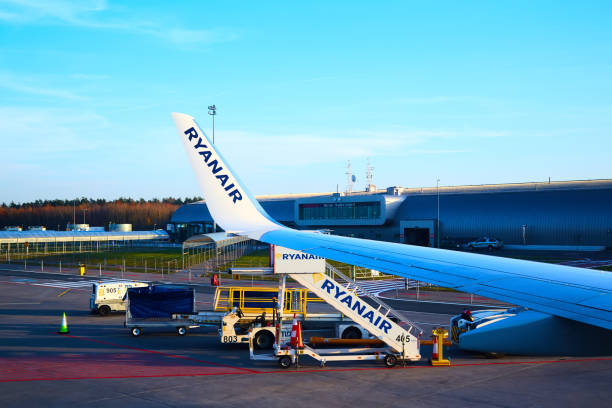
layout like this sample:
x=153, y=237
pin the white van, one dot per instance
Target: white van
x=108, y=296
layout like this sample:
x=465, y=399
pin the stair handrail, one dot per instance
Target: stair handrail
x=375, y=299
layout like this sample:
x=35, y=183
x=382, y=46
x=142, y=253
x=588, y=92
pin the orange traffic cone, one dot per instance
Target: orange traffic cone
x=300, y=341
x=294, y=329
x=434, y=353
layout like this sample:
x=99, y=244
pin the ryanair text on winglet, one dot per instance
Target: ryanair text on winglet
x=213, y=165
x=355, y=305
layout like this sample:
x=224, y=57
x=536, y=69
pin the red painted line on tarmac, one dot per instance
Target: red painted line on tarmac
x=112, y=377
x=159, y=352
x=250, y=372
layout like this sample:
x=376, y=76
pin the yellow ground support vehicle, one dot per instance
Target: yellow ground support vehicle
x=246, y=307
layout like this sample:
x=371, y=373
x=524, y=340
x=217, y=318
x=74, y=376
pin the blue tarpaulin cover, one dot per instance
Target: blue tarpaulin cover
x=160, y=301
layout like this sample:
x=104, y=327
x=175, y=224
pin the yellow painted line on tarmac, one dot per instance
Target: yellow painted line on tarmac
x=63, y=293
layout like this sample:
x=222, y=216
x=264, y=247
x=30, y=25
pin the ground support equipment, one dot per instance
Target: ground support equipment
x=437, y=359
x=401, y=337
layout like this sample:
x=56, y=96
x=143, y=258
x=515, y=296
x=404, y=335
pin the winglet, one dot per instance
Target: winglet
x=228, y=201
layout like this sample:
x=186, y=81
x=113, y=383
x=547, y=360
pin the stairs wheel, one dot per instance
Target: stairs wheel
x=390, y=360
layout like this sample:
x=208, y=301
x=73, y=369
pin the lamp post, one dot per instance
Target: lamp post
x=438, y=194
x=212, y=111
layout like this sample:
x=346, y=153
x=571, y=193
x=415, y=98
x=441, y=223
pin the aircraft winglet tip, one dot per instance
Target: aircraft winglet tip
x=178, y=115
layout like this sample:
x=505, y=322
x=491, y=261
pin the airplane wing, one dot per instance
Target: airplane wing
x=573, y=293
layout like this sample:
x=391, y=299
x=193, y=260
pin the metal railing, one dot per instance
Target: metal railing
x=383, y=308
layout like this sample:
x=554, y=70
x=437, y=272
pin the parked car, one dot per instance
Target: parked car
x=485, y=243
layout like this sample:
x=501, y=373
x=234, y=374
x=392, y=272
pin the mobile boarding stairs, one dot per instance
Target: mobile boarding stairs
x=401, y=337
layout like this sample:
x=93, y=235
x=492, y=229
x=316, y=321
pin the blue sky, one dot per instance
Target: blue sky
x=469, y=92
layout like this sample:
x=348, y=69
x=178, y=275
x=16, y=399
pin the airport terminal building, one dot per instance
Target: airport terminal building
x=567, y=213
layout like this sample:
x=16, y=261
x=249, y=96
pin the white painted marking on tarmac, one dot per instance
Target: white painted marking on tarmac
x=429, y=313
x=375, y=287
x=447, y=303
x=65, y=284
x=430, y=324
x=73, y=284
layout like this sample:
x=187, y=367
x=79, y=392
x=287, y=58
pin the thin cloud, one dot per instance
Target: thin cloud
x=88, y=14
x=7, y=16
x=439, y=151
x=185, y=36
x=290, y=150
x=436, y=99
x=25, y=11
x=55, y=130
x=32, y=86
x=90, y=77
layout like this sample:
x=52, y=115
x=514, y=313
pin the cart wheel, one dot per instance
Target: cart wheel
x=104, y=310
x=136, y=331
x=264, y=340
x=181, y=331
x=390, y=360
x=351, y=333
x=284, y=362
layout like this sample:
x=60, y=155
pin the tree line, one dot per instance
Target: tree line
x=56, y=214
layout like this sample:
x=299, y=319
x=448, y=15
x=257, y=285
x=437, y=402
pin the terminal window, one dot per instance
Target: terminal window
x=340, y=211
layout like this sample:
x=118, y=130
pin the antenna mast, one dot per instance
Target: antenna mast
x=349, y=178
x=369, y=176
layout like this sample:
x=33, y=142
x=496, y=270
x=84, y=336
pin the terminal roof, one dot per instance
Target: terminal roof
x=70, y=236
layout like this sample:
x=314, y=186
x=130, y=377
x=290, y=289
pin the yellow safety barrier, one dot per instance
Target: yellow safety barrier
x=257, y=300
x=437, y=358
x=82, y=269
